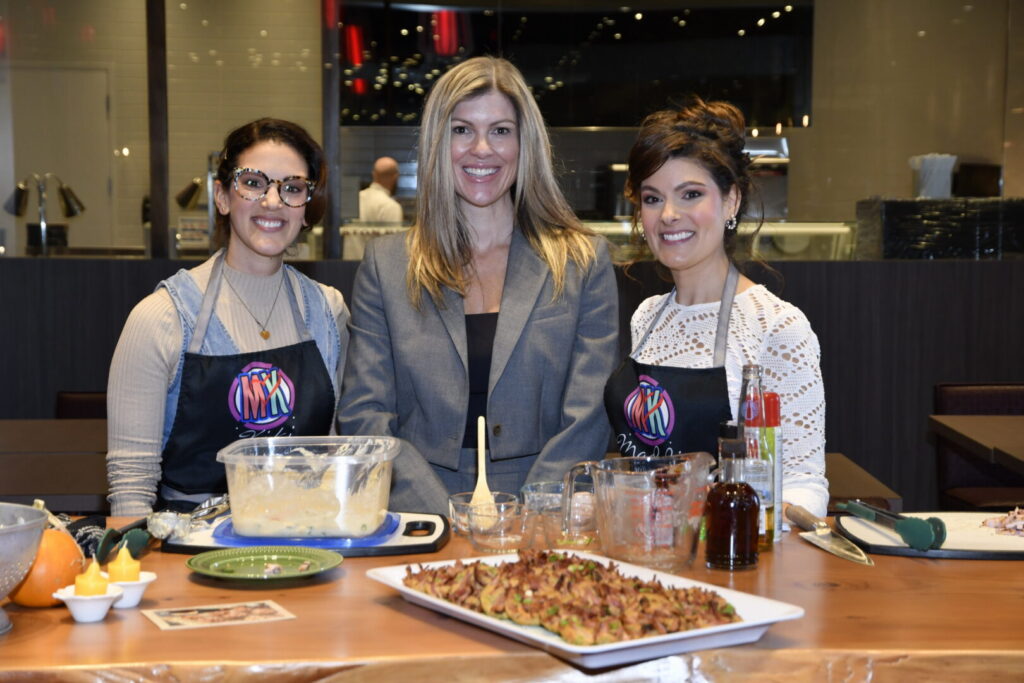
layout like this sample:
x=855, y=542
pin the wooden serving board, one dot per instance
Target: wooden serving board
x=966, y=537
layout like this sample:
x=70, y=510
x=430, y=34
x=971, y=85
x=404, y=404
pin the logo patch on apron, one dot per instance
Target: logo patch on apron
x=262, y=396
x=649, y=412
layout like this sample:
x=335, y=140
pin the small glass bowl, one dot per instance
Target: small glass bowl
x=542, y=494
x=501, y=528
x=89, y=608
x=581, y=534
x=458, y=508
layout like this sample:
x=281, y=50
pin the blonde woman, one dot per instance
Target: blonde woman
x=497, y=302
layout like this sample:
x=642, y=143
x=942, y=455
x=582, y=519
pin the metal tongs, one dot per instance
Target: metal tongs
x=167, y=524
x=919, y=534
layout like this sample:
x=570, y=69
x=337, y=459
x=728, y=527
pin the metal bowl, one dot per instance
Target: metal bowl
x=21, y=527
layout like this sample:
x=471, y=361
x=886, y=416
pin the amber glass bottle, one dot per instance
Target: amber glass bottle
x=732, y=511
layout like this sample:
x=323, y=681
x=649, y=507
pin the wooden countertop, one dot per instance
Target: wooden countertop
x=61, y=461
x=903, y=619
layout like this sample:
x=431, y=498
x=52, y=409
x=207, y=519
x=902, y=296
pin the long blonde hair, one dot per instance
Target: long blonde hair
x=440, y=247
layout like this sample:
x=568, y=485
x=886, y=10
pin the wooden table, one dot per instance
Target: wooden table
x=997, y=439
x=61, y=461
x=905, y=619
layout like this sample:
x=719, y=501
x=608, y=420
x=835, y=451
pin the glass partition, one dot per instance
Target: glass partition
x=588, y=64
x=855, y=89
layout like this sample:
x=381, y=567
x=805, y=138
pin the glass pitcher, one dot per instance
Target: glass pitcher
x=648, y=509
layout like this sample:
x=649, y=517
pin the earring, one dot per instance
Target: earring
x=731, y=223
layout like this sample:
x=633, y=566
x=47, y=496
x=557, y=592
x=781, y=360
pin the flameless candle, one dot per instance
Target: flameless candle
x=91, y=582
x=124, y=567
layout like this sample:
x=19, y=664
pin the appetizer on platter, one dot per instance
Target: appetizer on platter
x=584, y=602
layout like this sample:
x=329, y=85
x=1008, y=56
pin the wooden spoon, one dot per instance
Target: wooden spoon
x=482, y=494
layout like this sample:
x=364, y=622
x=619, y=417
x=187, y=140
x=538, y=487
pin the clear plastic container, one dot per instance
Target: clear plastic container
x=309, y=486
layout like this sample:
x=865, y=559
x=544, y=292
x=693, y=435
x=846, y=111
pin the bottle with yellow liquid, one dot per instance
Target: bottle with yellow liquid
x=759, y=467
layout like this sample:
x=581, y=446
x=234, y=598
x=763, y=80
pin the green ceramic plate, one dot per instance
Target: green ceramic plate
x=264, y=562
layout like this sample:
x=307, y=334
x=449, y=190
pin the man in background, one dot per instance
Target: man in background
x=376, y=204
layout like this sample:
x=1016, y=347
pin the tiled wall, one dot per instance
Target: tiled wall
x=232, y=62
x=1013, y=145
x=227, y=62
x=102, y=34
x=896, y=79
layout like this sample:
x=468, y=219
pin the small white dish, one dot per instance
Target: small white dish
x=89, y=608
x=133, y=590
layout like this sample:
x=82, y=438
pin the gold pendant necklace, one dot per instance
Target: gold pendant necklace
x=264, y=332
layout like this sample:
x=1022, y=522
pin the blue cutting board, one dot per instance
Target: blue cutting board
x=401, y=533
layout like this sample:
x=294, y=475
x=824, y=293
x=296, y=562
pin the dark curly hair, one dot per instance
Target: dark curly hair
x=286, y=133
x=712, y=134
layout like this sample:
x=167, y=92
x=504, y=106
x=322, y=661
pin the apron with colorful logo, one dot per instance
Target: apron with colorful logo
x=660, y=410
x=278, y=392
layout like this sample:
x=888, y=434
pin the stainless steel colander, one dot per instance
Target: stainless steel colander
x=21, y=527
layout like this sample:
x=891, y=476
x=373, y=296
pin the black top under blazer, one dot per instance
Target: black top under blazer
x=406, y=373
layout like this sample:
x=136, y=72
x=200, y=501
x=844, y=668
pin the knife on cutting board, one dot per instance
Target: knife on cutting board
x=819, y=533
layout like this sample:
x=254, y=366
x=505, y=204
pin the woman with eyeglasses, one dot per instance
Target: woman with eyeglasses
x=238, y=347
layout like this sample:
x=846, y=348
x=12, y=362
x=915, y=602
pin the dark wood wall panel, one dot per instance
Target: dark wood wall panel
x=889, y=331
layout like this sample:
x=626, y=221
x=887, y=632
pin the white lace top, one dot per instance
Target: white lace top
x=772, y=333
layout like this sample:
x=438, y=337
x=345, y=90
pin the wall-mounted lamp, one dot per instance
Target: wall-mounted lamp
x=17, y=203
x=189, y=195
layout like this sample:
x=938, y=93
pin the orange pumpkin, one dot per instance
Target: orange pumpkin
x=58, y=561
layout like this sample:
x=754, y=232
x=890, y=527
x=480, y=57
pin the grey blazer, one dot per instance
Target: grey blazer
x=406, y=373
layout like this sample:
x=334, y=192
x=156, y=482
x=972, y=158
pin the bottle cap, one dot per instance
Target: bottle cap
x=732, y=448
x=728, y=430
x=772, y=409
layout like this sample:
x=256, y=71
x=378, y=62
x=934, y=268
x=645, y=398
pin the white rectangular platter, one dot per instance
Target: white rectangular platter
x=757, y=613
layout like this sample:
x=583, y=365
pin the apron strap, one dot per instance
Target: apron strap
x=210, y=302
x=724, y=312
x=300, y=324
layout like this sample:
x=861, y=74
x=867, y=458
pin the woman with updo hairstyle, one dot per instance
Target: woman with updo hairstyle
x=238, y=347
x=498, y=302
x=689, y=183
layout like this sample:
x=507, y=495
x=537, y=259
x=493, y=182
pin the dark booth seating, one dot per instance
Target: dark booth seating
x=966, y=483
x=81, y=405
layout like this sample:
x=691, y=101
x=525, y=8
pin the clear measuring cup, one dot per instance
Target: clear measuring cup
x=648, y=509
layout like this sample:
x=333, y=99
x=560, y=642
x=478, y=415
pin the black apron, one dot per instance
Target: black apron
x=278, y=392
x=660, y=410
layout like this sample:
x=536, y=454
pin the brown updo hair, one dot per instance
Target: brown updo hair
x=286, y=133
x=712, y=134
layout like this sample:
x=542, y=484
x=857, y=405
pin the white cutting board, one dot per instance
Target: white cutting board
x=966, y=537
